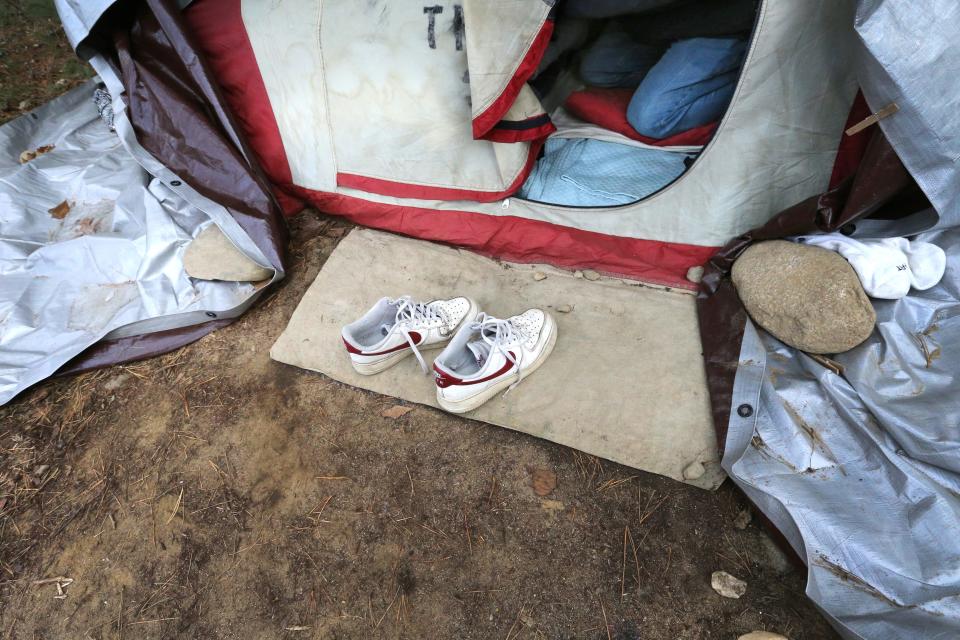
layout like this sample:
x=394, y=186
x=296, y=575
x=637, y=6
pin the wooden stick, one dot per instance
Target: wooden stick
x=873, y=119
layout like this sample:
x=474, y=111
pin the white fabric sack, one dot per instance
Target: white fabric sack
x=888, y=267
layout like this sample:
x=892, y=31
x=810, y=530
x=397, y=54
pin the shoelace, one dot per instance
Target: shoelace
x=411, y=312
x=498, y=335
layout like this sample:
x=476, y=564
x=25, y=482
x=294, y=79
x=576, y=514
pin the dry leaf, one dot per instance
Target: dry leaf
x=27, y=156
x=543, y=481
x=396, y=411
x=60, y=211
x=335, y=232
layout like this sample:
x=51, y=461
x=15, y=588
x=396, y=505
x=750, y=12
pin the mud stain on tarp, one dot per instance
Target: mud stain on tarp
x=859, y=583
x=83, y=218
x=816, y=440
x=96, y=306
x=931, y=351
x=757, y=442
x=855, y=580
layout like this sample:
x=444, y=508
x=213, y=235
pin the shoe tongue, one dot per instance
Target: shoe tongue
x=480, y=350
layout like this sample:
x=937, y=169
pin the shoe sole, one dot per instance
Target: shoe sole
x=373, y=368
x=469, y=404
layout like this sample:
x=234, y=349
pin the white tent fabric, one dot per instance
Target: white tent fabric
x=384, y=103
x=775, y=146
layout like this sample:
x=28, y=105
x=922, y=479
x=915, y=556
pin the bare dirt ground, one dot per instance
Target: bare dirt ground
x=213, y=493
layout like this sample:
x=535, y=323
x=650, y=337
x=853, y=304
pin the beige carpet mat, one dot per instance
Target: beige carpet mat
x=625, y=381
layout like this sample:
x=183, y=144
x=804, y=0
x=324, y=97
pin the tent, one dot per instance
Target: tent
x=230, y=112
x=425, y=154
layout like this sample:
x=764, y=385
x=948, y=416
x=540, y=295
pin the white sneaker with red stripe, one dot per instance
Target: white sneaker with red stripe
x=393, y=329
x=489, y=355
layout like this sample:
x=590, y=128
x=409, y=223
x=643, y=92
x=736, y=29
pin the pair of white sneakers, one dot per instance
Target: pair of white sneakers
x=483, y=355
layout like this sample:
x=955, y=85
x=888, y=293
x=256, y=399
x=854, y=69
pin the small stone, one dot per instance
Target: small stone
x=695, y=274
x=578, y=274
x=60, y=82
x=762, y=635
x=23, y=106
x=564, y=308
x=727, y=585
x=807, y=297
x=694, y=470
x=539, y=275
x=743, y=519
x=591, y=275
x=116, y=382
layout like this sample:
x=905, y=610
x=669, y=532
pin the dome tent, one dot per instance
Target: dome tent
x=408, y=146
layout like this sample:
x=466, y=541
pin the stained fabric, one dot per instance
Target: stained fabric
x=771, y=150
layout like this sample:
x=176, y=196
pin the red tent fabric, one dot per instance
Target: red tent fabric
x=607, y=108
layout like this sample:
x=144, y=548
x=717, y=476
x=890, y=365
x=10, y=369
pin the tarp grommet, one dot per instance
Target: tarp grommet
x=211, y=314
x=745, y=410
x=175, y=183
x=848, y=229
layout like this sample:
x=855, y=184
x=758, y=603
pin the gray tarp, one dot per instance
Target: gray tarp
x=912, y=58
x=861, y=471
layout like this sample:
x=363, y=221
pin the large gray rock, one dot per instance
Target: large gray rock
x=211, y=256
x=807, y=297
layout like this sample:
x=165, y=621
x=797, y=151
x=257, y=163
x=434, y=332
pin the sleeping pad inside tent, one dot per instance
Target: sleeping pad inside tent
x=558, y=134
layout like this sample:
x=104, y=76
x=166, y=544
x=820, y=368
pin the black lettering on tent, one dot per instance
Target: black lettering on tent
x=458, y=29
x=432, y=24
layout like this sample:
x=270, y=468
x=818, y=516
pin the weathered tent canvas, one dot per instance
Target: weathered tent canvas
x=416, y=143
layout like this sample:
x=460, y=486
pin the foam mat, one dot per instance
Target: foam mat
x=625, y=381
